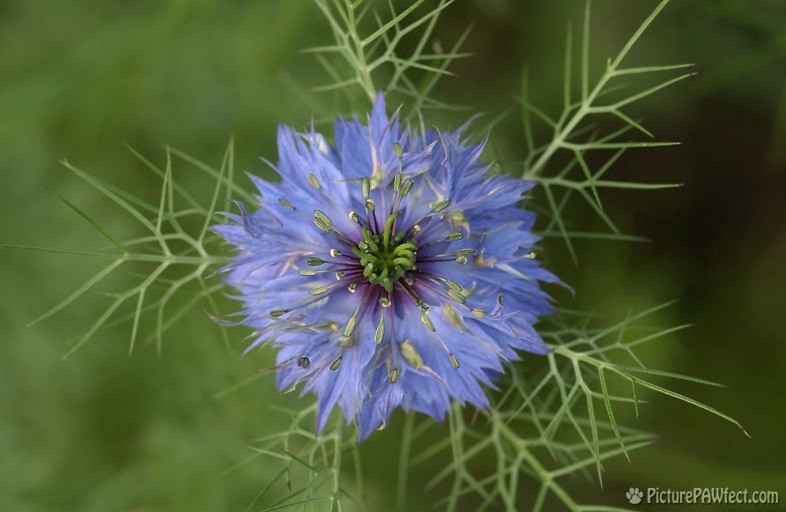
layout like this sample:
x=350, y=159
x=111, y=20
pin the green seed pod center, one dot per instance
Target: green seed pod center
x=386, y=256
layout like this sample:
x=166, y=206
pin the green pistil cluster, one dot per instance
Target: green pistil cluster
x=386, y=257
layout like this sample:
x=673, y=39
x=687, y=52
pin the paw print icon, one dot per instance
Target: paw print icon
x=634, y=495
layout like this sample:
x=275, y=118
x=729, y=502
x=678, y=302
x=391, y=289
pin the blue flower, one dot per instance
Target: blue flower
x=390, y=270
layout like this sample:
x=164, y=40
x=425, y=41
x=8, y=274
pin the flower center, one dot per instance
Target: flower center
x=386, y=256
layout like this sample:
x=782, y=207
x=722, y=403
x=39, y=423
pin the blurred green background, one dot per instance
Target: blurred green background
x=105, y=431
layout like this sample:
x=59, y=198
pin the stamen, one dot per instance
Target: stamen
x=339, y=271
x=286, y=203
x=313, y=180
x=453, y=317
x=461, y=259
x=453, y=237
x=346, y=342
x=410, y=354
x=415, y=297
x=366, y=187
x=322, y=221
x=460, y=256
x=320, y=289
x=451, y=284
x=458, y=297
x=406, y=187
x=380, y=334
x=438, y=207
x=350, y=327
x=427, y=322
x=335, y=364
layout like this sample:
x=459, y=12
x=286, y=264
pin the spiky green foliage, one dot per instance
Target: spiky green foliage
x=554, y=419
x=367, y=54
x=575, y=131
x=167, y=259
x=310, y=478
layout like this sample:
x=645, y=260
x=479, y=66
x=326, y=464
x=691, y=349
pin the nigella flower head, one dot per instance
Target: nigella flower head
x=390, y=270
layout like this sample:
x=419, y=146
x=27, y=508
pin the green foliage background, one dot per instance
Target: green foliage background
x=105, y=431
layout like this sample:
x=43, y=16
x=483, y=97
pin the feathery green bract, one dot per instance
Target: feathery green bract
x=173, y=256
x=553, y=420
x=366, y=53
x=575, y=133
x=310, y=478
